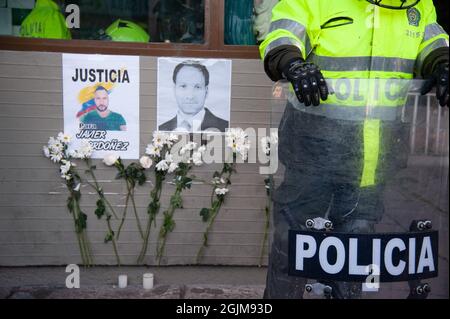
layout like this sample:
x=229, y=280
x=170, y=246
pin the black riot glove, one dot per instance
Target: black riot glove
x=307, y=80
x=438, y=78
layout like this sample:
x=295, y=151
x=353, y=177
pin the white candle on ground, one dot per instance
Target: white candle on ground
x=123, y=281
x=148, y=281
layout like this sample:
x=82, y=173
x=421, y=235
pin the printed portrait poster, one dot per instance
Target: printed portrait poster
x=101, y=103
x=194, y=95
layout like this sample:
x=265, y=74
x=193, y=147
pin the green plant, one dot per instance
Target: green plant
x=236, y=141
x=161, y=145
x=133, y=174
x=269, y=146
x=268, y=182
x=103, y=207
x=57, y=150
x=190, y=156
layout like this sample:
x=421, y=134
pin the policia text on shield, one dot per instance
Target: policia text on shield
x=339, y=151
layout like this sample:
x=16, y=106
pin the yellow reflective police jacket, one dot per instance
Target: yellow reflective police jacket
x=45, y=21
x=355, y=39
x=351, y=40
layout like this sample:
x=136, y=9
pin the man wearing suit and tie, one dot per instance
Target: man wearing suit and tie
x=191, y=80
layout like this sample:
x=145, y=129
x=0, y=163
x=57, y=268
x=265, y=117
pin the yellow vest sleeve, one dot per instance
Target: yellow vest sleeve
x=434, y=37
x=294, y=22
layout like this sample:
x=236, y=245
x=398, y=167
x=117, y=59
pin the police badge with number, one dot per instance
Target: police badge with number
x=413, y=16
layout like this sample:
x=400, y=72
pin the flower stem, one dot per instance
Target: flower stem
x=75, y=211
x=113, y=240
x=266, y=231
x=164, y=232
x=110, y=207
x=131, y=192
x=270, y=186
x=79, y=239
x=124, y=215
x=82, y=240
x=87, y=248
x=145, y=243
x=154, y=207
x=158, y=196
x=215, y=211
x=85, y=241
x=97, y=187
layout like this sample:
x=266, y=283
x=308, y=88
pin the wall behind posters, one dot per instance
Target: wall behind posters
x=35, y=225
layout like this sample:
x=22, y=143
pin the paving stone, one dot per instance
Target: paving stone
x=107, y=292
x=223, y=292
x=32, y=292
x=5, y=292
x=21, y=295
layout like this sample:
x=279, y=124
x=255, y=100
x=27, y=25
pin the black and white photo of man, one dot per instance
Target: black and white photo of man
x=191, y=88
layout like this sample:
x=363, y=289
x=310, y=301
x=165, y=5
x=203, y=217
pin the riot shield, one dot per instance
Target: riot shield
x=361, y=193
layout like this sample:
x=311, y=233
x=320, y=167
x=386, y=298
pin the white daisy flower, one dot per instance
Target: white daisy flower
x=172, y=138
x=55, y=145
x=265, y=145
x=168, y=158
x=56, y=157
x=85, y=149
x=202, y=149
x=172, y=167
x=188, y=147
x=64, y=138
x=159, y=139
x=197, y=158
x=153, y=150
x=221, y=191
x=237, y=141
x=162, y=166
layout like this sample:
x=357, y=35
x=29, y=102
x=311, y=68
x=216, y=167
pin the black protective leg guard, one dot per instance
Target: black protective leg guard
x=279, y=285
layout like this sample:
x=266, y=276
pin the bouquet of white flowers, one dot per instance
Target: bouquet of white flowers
x=191, y=156
x=237, y=142
x=158, y=154
x=57, y=150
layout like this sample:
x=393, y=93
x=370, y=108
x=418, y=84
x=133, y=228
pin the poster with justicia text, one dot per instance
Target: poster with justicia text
x=101, y=103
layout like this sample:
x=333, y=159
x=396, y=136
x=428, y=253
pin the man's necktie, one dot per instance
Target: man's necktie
x=186, y=125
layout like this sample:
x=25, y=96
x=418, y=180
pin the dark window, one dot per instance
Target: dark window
x=203, y=28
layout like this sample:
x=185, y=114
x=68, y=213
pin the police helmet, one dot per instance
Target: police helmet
x=126, y=31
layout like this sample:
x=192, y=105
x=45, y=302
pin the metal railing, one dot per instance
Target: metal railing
x=429, y=126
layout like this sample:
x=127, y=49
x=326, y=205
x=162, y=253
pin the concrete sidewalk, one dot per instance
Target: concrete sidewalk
x=170, y=282
x=101, y=283
x=136, y=292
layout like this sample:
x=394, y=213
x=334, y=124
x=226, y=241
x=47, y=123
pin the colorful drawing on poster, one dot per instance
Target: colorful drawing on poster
x=101, y=102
